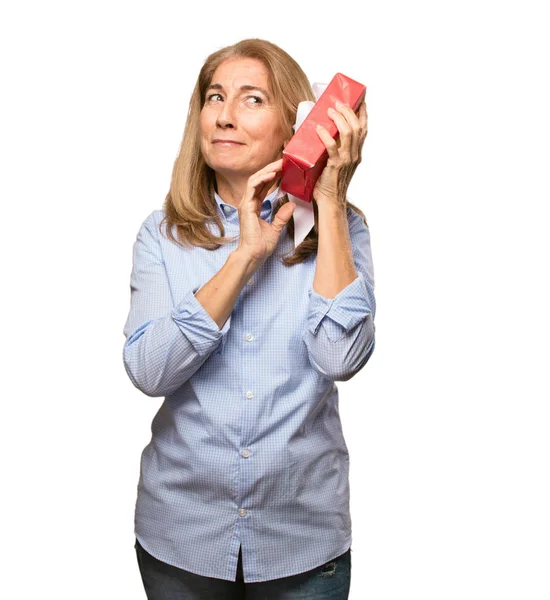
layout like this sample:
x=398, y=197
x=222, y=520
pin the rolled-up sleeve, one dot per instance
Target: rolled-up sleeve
x=165, y=343
x=340, y=331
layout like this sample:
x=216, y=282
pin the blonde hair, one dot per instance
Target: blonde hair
x=190, y=203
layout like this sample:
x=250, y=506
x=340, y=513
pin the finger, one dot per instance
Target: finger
x=257, y=187
x=283, y=216
x=353, y=122
x=363, y=121
x=346, y=134
x=259, y=178
x=269, y=169
x=275, y=166
x=329, y=142
x=262, y=185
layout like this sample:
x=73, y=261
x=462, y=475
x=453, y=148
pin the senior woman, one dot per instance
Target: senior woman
x=243, y=488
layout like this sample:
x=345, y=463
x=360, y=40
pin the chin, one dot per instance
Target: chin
x=231, y=171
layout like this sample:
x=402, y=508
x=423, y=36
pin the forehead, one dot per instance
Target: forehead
x=237, y=72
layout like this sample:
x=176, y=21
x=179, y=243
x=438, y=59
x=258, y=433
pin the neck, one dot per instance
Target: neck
x=232, y=190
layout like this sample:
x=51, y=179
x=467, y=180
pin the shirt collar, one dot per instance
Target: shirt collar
x=268, y=202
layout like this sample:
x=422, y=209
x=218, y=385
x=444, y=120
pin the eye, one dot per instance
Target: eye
x=211, y=97
x=254, y=100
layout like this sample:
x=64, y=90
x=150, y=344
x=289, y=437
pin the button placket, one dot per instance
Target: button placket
x=246, y=453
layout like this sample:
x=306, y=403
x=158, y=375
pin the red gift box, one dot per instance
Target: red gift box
x=305, y=156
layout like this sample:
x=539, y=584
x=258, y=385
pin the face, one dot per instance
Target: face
x=239, y=122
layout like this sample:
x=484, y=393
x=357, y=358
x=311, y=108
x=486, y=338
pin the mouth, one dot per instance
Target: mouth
x=220, y=142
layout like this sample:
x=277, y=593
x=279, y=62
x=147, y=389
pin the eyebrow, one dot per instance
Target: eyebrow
x=244, y=88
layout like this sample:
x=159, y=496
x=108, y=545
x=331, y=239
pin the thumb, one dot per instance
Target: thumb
x=283, y=216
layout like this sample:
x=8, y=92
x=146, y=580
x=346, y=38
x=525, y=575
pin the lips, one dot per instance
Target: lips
x=223, y=142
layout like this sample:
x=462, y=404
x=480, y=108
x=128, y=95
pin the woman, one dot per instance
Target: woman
x=244, y=484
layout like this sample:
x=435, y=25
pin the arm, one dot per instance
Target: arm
x=166, y=344
x=340, y=333
x=335, y=268
x=340, y=323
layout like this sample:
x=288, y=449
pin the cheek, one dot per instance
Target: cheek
x=202, y=125
x=204, y=131
x=206, y=120
x=269, y=133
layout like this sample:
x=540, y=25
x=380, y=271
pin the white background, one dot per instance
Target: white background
x=447, y=425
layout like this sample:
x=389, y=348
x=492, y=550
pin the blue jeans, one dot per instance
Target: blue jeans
x=330, y=581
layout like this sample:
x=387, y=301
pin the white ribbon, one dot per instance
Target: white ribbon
x=303, y=213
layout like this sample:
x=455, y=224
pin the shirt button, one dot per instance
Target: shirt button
x=242, y=512
x=245, y=453
x=227, y=208
x=251, y=282
x=249, y=337
x=249, y=394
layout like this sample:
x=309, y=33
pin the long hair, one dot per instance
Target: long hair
x=190, y=203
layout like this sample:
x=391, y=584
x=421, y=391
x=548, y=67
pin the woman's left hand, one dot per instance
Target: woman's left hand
x=344, y=155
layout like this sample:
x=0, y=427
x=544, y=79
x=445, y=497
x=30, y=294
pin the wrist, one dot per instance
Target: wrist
x=244, y=262
x=332, y=203
x=332, y=208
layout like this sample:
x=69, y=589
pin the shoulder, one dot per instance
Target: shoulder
x=156, y=217
x=148, y=238
x=152, y=223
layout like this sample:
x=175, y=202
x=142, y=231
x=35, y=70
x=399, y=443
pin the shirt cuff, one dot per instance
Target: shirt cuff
x=198, y=326
x=348, y=308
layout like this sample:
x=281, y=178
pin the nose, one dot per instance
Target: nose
x=226, y=116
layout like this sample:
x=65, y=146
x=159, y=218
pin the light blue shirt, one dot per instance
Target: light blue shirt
x=247, y=447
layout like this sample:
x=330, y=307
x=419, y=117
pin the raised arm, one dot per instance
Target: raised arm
x=340, y=333
x=166, y=344
x=340, y=323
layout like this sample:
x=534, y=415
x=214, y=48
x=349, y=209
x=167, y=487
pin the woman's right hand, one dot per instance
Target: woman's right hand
x=258, y=238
